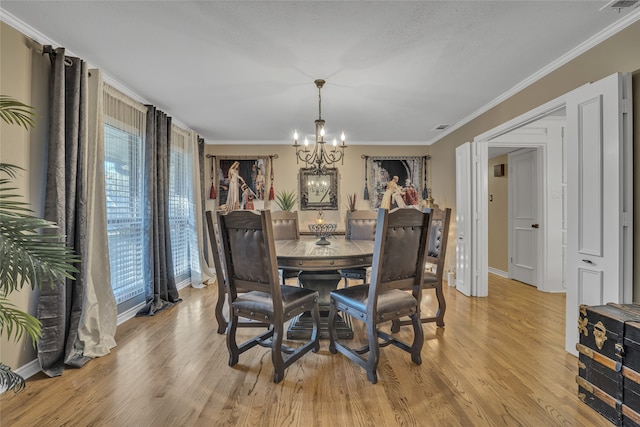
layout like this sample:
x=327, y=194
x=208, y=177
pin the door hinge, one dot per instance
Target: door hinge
x=626, y=219
x=625, y=106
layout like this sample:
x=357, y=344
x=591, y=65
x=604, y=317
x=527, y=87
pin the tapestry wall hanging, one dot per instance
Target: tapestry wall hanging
x=396, y=181
x=242, y=183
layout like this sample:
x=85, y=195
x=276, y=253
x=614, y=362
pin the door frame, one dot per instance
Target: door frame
x=484, y=141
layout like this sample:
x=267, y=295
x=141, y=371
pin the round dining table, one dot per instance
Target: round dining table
x=319, y=267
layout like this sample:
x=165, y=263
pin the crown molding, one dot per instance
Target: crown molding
x=613, y=29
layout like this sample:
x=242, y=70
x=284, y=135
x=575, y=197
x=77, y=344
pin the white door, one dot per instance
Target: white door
x=464, y=218
x=599, y=197
x=523, y=203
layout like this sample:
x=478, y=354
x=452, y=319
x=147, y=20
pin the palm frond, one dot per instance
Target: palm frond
x=9, y=169
x=15, y=112
x=286, y=200
x=9, y=380
x=16, y=323
x=28, y=257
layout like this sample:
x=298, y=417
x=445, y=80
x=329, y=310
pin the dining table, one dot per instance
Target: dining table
x=319, y=266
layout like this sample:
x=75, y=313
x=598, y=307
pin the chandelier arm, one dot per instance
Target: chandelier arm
x=319, y=156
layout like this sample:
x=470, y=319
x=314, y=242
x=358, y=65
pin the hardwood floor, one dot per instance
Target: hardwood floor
x=498, y=361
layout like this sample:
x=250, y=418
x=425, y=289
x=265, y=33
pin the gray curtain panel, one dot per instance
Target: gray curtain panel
x=60, y=304
x=161, y=289
x=203, y=198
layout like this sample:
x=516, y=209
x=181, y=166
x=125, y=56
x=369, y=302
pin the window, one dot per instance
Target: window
x=124, y=127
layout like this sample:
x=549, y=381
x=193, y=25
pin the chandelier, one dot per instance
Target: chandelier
x=319, y=157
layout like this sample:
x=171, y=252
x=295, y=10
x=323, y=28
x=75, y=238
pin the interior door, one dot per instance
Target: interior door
x=464, y=218
x=523, y=197
x=599, y=197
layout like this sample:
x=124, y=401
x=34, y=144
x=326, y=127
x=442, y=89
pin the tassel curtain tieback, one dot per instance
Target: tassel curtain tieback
x=272, y=193
x=366, y=184
x=212, y=192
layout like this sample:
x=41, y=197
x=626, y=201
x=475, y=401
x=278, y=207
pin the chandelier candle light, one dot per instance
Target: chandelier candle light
x=319, y=157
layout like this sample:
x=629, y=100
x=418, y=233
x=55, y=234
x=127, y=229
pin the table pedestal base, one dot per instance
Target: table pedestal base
x=301, y=327
x=324, y=282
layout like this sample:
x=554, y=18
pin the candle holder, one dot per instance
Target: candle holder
x=323, y=231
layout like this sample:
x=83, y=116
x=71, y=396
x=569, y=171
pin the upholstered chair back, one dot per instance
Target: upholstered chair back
x=437, y=246
x=245, y=232
x=361, y=225
x=400, y=250
x=285, y=225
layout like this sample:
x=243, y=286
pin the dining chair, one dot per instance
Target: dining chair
x=249, y=254
x=436, y=253
x=286, y=227
x=361, y=225
x=221, y=281
x=398, y=263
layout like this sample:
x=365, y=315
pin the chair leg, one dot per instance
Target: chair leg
x=418, y=339
x=232, y=346
x=395, y=325
x=222, y=322
x=374, y=352
x=331, y=325
x=276, y=353
x=442, y=306
x=315, y=333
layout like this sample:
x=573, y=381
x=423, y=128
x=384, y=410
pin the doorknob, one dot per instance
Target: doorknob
x=535, y=225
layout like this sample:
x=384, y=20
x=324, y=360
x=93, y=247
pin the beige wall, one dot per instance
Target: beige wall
x=619, y=53
x=350, y=175
x=498, y=216
x=24, y=76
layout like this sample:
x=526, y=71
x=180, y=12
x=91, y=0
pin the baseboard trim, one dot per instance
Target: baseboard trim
x=499, y=272
x=29, y=370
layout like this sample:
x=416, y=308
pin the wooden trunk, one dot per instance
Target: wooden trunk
x=609, y=361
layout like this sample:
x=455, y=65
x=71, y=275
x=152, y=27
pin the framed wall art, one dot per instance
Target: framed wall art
x=242, y=182
x=396, y=181
x=318, y=191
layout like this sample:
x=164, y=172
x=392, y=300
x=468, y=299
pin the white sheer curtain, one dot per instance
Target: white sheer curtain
x=198, y=213
x=185, y=171
x=97, y=325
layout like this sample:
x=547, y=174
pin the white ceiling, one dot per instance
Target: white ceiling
x=243, y=71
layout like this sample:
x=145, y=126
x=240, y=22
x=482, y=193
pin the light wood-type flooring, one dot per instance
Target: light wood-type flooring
x=499, y=361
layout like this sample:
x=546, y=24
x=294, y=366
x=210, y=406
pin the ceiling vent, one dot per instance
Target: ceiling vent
x=439, y=128
x=618, y=5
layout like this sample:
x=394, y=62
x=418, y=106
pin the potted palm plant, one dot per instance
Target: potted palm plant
x=286, y=200
x=27, y=256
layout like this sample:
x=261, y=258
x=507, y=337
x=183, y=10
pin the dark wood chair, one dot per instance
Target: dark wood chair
x=222, y=281
x=286, y=227
x=249, y=254
x=436, y=252
x=361, y=225
x=398, y=263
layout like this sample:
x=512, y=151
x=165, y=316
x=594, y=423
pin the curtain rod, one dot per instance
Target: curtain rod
x=49, y=50
x=364, y=156
x=273, y=156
